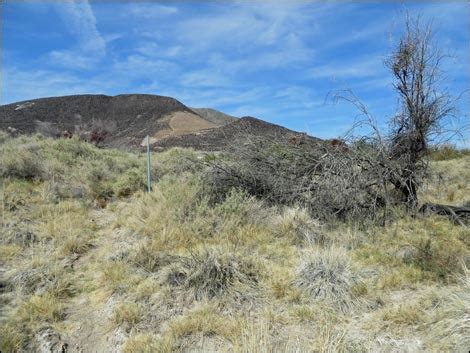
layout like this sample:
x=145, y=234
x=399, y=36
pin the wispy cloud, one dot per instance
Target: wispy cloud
x=152, y=11
x=360, y=68
x=81, y=22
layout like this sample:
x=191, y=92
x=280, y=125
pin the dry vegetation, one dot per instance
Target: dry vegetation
x=90, y=261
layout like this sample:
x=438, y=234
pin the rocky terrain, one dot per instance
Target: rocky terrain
x=123, y=121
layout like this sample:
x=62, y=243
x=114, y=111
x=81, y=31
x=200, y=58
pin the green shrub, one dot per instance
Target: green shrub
x=129, y=182
x=448, y=152
x=4, y=136
x=437, y=258
x=23, y=161
x=175, y=161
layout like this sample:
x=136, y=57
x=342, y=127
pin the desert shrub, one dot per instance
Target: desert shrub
x=328, y=276
x=61, y=191
x=210, y=273
x=451, y=321
x=127, y=313
x=150, y=258
x=447, y=152
x=439, y=257
x=176, y=161
x=75, y=148
x=13, y=338
x=22, y=161
x=296, y=223
x=129, y=182
x=4, y=137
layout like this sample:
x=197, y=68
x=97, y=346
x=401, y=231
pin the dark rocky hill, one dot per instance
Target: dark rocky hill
x=124, y=120
x=237, y=132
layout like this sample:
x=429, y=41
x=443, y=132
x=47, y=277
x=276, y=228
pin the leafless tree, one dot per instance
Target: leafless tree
x=424, y=104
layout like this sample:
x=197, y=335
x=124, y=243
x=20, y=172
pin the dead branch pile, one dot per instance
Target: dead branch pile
x=328, y=179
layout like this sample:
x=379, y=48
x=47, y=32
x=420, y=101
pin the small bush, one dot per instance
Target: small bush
x=150, y=258
x=129, y=182
x=12, y=338
x=4, y=137
x=40, y=309
x=23, y=162
x=210, y=273
x=442, y=260
x=128, y=314
x=451, y=322
x=448, y=152
x=328, y=276
x=297, y=224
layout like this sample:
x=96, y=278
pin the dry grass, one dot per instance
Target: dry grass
x=328, y=276
x=172, y=271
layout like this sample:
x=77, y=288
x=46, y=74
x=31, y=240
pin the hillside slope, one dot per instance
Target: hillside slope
x=214, y=116
x=237, y=132
x=123, y=121
x=127, y=118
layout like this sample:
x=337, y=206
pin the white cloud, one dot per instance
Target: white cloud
x=80, y=21
x=360, y=68
x=29, y=84
x=147, y=10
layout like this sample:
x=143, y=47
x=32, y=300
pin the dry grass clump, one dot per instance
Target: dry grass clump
x=128, y=314
x=13, y=338
x=449, y=183
x=50, y=278
x=23, y=161
x=150, y=257
x=442, y=260
x=142, y=343
x=327, y=275
x=451, y=321
x=211, y=273
x=177, y=161
x=40, y=309
x=203, y=323
x=296, y=223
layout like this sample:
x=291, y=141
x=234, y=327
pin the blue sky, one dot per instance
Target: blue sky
x=276, y=60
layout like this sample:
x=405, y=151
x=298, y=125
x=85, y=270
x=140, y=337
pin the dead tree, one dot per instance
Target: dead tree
x=424, y=105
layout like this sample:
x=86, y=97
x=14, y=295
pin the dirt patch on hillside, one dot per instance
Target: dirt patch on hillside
x=180, y=123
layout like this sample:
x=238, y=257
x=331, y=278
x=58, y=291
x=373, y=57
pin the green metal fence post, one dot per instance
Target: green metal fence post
x=149, y=177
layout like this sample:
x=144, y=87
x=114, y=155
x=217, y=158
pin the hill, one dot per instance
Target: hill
x=122, y=120
x=214, y=116
x=236, y=132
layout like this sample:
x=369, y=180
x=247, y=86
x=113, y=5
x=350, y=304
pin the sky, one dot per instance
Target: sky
x=275, y=60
